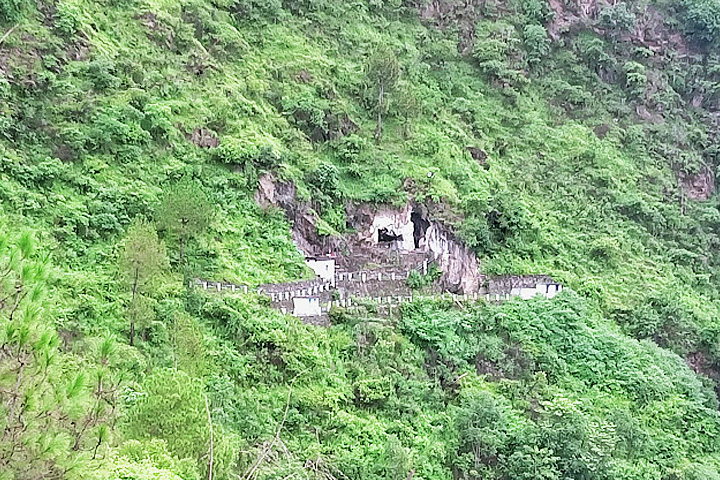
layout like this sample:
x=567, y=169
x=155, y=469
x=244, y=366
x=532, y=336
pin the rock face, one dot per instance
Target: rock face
x=382, y=224
x=461, y=15
x=460, y=267
x=415, y=231
x=383, y=235
x=274, y=193
x=698, y=186
x=203, y=138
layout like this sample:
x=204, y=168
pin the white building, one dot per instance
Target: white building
x=306, y=307
x=324, y=267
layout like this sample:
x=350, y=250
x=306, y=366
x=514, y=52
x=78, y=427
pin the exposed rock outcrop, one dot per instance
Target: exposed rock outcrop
x=275, y=193
x=416, y=230
x=368, y=220
x=382, y=235
x=457, y=14
x=460, y=266
x=203, y=138
x=698, y=186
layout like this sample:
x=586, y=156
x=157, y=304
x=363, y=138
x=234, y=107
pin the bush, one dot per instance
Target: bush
x=309, y=112
x=67, y=18
x=537, y=44
x=233, y=151
x=702, y=20
x=536, y=11
x=373, y=390
x=255, y=11
x=635, y=78
x=10, y=10
x=498, y=55
x=325, y=179
x=417, y=280
x=617, y=18
x=496, y=223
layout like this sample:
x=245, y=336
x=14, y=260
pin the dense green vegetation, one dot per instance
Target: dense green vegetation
x=132, y=135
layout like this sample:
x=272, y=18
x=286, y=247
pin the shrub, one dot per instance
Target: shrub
x=536, y=11
x=702, y=20
x=256, y=10
x=373, y=390
x=10, y=10
x=68, y=18
x=617, y=18
x=101, y=72
x=237, y=152
x=417, y=280
x=326, y=180
x=349, y=148
x=497, y=53
x=635, y=78
x=537, y=44
x=309, y=112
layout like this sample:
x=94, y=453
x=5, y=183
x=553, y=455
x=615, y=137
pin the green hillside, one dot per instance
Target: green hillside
x=576, y=139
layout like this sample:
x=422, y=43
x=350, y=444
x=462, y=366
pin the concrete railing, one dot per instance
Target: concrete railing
x=311, y=287
x=357, y=303
x=302, y=287
x=386, y=287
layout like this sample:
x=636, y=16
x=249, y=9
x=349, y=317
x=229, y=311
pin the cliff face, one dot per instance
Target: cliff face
x=460, y=266
x=418, y=231
x=272, y=192
x=383, y=234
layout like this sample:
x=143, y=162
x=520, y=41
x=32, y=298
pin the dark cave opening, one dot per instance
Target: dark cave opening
x=386, y=235
x=420, y=226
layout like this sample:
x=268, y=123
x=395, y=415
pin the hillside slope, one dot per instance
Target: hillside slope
x=573, y=139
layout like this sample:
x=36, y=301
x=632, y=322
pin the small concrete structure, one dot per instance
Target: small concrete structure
x=548, y=290
x=306, y=307
x=324, y=267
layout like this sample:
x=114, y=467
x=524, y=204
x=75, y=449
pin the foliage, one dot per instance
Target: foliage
x=537, y=44
x=598, y=130
x=54, y=419
x=417, y=280
x=383, y=73
x=141, y=262
x=172, y=409
x=185, y=211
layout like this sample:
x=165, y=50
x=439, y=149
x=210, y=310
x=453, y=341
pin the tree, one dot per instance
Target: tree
x=537, y=44
x=529, y=462
x=407, y=105
x=396, y=460
x=384, y=74
x=174, y=409
x=185, y=211
x=482, y=428
x=142, y=260
x=51, y=424
x=188, y=344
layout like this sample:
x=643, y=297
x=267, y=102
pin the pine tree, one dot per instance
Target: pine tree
x=185, y=211
x=52, y=423
x=384, y=74
x=142, y=261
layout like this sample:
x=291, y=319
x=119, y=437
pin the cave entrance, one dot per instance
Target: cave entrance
x=386, y=235
x=420, y=226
